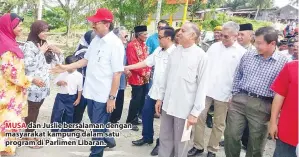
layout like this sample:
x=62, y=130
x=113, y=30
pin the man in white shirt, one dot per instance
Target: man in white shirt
x=104, y=60
x=245, y=36
x=224, y=58
x=159, y=59
x=183, y=92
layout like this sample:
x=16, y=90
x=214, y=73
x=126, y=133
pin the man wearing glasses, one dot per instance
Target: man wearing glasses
x=159, y=59
x=104, y=59
x=137, y=52
x=224, y=58
x=153, y=42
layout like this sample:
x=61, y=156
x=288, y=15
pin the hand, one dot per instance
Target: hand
x=128, y=73
x=62, y=83
x=77, y=102
x=148, y=75
x=38, y=82
x=158, y=107
x=55, y=49
x=59, y=68
x=192, y=120
x=110, y=106
x=44, y=48
x=273, y=130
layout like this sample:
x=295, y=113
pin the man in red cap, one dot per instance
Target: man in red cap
x=104, y=59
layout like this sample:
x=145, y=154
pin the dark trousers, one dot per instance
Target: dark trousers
x=97, y=114
x=116, y=114
x=148, y=119
x=245, y=136
x=284, y=150
x=136, y=103
x=63, y=110
x=79, y=110
x=33, y=111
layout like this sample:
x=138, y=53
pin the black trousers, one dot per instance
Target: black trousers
x=136, y=103
x=245, y=136
x=79, y=110
x=116, y=114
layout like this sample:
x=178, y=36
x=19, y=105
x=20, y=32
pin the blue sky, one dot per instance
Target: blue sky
x=281, y=3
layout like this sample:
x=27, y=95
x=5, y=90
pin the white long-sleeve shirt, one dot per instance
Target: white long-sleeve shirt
x=184, y=86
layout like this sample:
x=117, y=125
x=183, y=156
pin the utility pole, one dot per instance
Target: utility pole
x=159, y=6
x=40, y=10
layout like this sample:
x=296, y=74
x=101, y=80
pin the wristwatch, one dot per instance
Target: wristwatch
x=111, y=97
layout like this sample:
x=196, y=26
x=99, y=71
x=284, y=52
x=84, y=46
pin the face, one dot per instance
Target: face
x=18, y=30
x=217, y=35
x=100, y=28
x=283, y=47
x=160, y=26
x=228, y=38
x=186, y=35
x=244, y=37
x=142, y=36
x=262, y=46
x=162, y=39
x=177, y=39
x=291, y=49
x=124, y=36
x=43, y=35
x=295, y=49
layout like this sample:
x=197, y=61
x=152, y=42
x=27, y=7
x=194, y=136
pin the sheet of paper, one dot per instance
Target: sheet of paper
x=186, y=133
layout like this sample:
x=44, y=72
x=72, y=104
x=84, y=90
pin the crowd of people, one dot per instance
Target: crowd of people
x=247, y=78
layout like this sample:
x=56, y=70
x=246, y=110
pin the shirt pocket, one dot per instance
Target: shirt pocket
x=190, y=73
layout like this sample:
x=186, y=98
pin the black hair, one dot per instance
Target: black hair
x=70, y=59
x=169, y=32
x=177, y=31
x=164, y=22
x=269, y=33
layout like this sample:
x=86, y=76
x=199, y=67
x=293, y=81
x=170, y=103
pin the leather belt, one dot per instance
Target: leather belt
x=256, y=95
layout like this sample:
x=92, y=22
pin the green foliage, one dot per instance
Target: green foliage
x=210, y=24
x=55, y=17
x=195, y=7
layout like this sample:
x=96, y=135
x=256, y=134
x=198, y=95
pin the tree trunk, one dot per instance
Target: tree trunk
x=257, y=12
x=68, y=30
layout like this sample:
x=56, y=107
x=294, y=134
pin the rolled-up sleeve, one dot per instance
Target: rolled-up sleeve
x=202, y=78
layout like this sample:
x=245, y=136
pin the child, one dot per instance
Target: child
x=69, y=83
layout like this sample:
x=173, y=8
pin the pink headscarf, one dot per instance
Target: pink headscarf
x=8, y=22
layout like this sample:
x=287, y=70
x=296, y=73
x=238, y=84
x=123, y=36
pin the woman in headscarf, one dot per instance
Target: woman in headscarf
x=39, y=56
x=13, y=82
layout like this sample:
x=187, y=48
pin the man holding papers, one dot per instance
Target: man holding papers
x=182, y=92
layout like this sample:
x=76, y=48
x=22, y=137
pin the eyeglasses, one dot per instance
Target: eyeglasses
x=225, y=36
x=160, y=27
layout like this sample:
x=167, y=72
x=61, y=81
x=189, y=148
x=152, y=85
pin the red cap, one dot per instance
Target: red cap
x=101, y=15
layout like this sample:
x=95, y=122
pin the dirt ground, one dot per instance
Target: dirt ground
x=124, y=146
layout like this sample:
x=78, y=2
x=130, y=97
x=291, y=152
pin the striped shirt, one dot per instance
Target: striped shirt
x=255, y=74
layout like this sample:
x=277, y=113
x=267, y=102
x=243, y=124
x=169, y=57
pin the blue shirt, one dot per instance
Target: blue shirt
x=255, y=74
x=152, y=43
x=122, y=84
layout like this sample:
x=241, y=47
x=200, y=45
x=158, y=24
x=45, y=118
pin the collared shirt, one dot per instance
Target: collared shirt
x=152, y=43
x=255, y=73
x=183, y=90
x=250, y=47
x=286, y=85
x=223, y=62
x=74, y=82
x=159, y=59
x=105, y=57
x=137, y=52
x=37, y=67
x=287, y=54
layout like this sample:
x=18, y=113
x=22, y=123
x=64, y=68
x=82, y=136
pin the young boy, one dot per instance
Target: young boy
x=69, y=84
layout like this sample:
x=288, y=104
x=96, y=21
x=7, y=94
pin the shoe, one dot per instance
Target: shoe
x=135, y=128
x=194, y=152
x=209, y=121
x=210, y=154
x=221, y=143
x=156, y=149
x=110, y=143
x=142, y=142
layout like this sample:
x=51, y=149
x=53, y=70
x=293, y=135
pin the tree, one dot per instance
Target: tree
x=235, y=4
x=195, y=7
x=54, y=17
